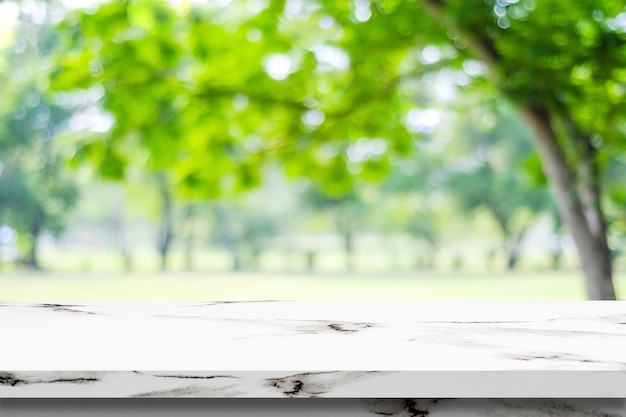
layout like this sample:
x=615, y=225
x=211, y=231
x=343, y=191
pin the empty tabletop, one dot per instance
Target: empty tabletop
x=269, y=349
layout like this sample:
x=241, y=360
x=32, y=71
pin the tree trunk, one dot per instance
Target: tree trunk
x=116, y=228
x=237, y=264
x=491, y=257
x=255, y=258
x=557, y=253
x=574, y=204
x=592, y=248
x=511, y=242
x=32, y=257
x=556, y=245
x=310, y=260
x=348, y=241
x=513, y=257
x=189, y=237
x=166, y=229
x=515, y=250
x=226, y=236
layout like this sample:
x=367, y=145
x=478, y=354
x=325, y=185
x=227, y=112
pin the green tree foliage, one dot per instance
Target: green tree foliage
x=325, y=87
x=495, y=170
x=36, y=191
x=245, y=234
x=560, y=64
x=410, y=200
x=347, y=213
x=215, y=93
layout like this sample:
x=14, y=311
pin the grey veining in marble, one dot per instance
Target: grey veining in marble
x=314, y=349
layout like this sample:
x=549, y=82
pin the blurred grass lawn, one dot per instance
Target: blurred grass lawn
x=522, y=285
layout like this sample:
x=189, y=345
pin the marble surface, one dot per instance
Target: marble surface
x=313, y=407
x=310, y=349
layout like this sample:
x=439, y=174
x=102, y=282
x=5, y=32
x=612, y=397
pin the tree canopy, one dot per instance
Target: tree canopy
x=335, y=90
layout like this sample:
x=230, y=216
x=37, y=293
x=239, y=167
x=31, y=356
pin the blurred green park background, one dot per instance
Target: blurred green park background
x=312, y=149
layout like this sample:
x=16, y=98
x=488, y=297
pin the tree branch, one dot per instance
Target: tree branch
x=480, y=46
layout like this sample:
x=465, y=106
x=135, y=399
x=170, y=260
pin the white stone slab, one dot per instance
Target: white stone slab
x=309, y=349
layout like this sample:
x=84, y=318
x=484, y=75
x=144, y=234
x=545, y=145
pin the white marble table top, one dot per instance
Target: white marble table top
x=400, y=349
